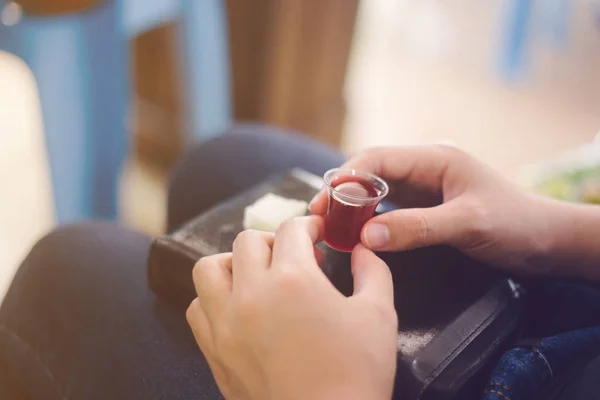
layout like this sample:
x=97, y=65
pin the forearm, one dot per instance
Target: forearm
x=574, y=247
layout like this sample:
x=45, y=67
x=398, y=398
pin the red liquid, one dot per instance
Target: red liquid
x=343, y=221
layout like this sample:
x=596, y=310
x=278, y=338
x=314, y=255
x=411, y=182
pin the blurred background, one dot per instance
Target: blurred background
x=88, y=86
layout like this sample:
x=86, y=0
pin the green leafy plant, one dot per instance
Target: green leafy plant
x=578, y=185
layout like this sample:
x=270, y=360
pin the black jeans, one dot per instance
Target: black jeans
x=79, y=322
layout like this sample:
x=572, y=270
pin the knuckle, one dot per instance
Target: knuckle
x=452, y=155
x=386, y=313
x=371, y=153
x=289, y=279
x=450, y=151
x=245, y=236
x=386, y=271
x=191, y=311
x=374, y=151
x=201, y=267
x=288, y=225
x=422, y=229
x=409, y=230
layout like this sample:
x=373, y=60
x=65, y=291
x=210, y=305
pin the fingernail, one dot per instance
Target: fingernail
x=377, y=235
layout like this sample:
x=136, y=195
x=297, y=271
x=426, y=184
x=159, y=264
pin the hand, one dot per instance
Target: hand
x=272, y=326
x=481, y=214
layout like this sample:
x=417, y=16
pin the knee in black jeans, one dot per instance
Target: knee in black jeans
x=243, y=157
x=47, y=320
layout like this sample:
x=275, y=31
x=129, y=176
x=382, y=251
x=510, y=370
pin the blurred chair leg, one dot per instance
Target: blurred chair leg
x=108, y=91
x=513, y=61
x=79, y=63
x=206, y=68
x=53, y=50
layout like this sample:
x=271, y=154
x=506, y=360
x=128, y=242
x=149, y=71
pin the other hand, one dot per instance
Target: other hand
x=481, y=213
x=272, y=326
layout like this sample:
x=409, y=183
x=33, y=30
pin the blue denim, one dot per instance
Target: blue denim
x=567, y=317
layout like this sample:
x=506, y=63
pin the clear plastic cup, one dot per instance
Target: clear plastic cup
x=353, y=198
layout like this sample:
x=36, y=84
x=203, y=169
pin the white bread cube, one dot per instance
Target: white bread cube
x=268, y=212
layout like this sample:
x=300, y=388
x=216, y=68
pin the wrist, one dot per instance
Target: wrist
x=539, y=235
x=571, y=246
x=551, y=241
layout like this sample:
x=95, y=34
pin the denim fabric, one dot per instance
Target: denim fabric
x=522, y=371
x=565, y=313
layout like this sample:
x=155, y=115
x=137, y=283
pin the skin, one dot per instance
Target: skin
x=479, y=212
x=272, y=326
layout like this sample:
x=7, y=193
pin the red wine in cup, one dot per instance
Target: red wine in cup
x=345, y=217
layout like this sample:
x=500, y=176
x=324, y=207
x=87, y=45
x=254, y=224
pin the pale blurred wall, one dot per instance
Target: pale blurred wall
x=428, y=71
x=25, y=196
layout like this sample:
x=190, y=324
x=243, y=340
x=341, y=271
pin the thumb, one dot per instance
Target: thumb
x=372, y=276
x=413, y=228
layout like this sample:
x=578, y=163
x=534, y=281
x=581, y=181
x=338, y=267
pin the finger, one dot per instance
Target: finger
x=295, y=239
x=319, y=256
x=213, y=282
x=201, y=328
x=414, y=228
x=372, y=277
x=251, y=254
x=421, y=166
x=318, y=205
x=203, y=333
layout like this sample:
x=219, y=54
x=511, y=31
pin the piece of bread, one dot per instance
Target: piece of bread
x=268, y=212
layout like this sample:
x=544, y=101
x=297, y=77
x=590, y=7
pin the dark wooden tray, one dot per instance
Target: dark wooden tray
x=444, y=300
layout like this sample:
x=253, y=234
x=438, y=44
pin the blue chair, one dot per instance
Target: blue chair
x=81, y=65
x=514, y=56
x=514, y=49
x=557, y=18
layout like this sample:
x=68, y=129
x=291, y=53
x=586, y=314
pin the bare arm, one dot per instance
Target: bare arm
x=574, y=245
x=483, y=215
